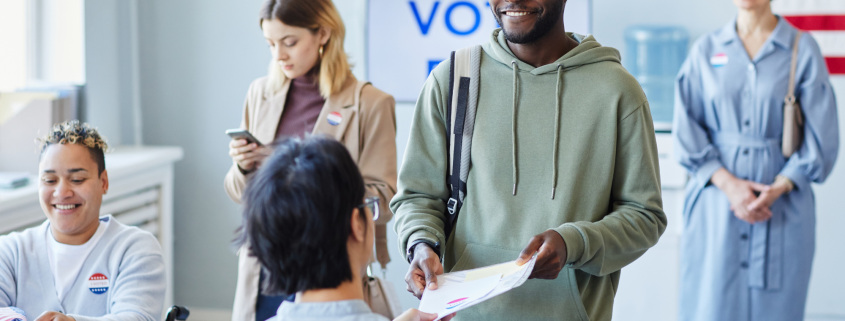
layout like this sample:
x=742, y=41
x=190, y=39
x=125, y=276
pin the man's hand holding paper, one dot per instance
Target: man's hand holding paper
x=424, y=268
x=551, y=255
x=459, y=290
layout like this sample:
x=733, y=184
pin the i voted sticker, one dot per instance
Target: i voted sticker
x=719, y=60
x=98, y=283
x=334, y=118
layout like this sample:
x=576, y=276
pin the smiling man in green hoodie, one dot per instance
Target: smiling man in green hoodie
x=584, y=195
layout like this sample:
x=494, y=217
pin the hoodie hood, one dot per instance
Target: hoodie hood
x=588, y=51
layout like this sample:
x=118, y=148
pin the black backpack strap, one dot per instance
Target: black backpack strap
x=460, y=73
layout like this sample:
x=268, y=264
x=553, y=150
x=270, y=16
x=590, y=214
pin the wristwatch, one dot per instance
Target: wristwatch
x=434, y=247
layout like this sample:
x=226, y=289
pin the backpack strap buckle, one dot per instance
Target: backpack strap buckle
x=451, y=205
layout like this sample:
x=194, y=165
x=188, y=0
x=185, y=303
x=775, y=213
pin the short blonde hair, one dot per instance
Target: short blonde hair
x=312, y=15
x=74, y=132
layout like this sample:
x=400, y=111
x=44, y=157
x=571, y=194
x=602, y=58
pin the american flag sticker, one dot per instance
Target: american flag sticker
x=825, y=21
x=12, y=314
x=98, y=283
x=334, y=118
x=719, y=60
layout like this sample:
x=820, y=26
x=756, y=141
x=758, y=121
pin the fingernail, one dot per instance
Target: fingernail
x=432, y=285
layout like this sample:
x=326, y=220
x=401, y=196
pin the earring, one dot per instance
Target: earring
x=321, y=51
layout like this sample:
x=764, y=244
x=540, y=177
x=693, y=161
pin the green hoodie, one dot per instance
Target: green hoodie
x=600, y=191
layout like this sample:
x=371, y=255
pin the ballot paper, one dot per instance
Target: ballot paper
x=459, y=290
x=11, y=314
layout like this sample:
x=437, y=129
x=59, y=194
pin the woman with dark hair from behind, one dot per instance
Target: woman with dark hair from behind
x=307, y=222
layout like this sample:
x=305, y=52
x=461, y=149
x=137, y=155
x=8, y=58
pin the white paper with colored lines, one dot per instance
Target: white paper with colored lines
x=459, y=290
x=11, y=314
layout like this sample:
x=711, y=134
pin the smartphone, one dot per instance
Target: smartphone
x=243, y=134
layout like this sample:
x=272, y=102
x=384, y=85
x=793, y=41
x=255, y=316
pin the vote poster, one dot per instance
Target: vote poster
x=407, y=39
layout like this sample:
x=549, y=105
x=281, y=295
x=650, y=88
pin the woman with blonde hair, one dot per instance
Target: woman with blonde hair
x=310, y=89
x=750, y=217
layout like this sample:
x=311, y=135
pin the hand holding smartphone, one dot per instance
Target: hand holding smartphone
x=243, y=134
x=247, y=156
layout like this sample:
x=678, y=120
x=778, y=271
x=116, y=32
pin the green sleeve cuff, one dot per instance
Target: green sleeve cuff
x=574, y=242
x=420, y=235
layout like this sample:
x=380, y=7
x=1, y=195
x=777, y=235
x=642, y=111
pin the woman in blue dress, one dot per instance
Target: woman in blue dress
x=749, y=213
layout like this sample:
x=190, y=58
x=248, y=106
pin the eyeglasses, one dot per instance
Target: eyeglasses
x=373, y=204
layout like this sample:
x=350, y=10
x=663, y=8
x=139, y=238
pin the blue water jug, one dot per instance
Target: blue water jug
x=654, y=56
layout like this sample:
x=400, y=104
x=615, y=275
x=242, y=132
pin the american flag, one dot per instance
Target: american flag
x=825, y=20
x=11, y=314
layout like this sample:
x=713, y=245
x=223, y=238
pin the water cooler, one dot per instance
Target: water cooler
x=654, y=56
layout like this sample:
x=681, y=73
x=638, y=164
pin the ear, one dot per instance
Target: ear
x=324, y=34
x=104, y=179
x=359, y=230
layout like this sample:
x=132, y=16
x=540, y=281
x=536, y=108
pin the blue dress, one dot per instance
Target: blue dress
x=729, y=113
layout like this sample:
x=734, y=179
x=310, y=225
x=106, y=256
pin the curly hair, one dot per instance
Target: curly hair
x=74, y=132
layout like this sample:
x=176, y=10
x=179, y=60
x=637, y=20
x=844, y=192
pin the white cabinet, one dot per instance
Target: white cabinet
x=140, y=194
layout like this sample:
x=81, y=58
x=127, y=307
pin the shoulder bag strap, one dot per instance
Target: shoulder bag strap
x=793, y=120
x=790, y=96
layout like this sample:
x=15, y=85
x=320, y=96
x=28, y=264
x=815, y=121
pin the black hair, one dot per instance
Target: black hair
x=297, y=213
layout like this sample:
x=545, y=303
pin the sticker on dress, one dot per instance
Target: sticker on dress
x=334, y=118
x=98, y=283
x=719, y=60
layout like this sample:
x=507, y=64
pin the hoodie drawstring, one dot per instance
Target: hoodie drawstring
x=513, y=121
x=558, y=105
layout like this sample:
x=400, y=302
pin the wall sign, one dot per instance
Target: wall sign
x=407, y=39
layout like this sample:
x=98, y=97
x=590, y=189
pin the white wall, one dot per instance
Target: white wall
x=102, y=68
x=197, y=61
x=610, y=18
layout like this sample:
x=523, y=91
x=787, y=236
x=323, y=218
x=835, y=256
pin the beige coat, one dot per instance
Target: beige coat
x=367, y=129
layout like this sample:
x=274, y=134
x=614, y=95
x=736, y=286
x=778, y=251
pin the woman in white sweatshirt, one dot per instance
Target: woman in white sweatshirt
x=78, y=265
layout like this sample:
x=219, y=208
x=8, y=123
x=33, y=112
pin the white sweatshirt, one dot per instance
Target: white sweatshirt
x=122, y=279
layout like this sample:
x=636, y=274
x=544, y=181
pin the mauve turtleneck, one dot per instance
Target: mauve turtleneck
x=302, y=106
